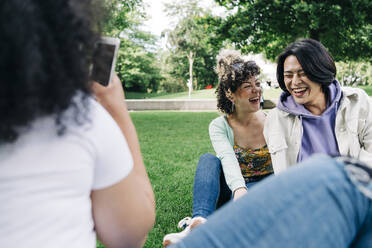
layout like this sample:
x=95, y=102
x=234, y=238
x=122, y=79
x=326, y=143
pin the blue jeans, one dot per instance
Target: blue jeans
x=313, y=204
x=210, y=189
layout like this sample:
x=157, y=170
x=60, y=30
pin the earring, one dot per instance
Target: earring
x=232, y=107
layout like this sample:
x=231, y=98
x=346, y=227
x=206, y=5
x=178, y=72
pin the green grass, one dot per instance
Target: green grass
x=196, y=94
x=171, y=144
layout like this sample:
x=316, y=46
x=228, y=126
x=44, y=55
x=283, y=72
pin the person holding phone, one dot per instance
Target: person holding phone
x=242, y=157
x=70, y=164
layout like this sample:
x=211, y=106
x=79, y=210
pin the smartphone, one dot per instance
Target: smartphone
x=104, y=60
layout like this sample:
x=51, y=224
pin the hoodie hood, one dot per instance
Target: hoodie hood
x=289, y=105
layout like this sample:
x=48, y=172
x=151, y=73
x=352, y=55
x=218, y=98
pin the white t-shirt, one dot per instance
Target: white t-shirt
x=46, y=180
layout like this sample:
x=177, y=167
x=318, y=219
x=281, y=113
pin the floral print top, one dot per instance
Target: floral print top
x=256, y=162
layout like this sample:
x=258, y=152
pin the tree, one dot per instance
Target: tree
x=117, y=15
x=189, y=43
x=343, y=26
x=137, y=65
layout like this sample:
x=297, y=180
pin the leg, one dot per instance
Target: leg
x=210, y=189
x=225, y=192
x=313, y=204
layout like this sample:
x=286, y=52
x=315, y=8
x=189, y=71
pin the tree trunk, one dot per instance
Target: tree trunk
x=190, y=56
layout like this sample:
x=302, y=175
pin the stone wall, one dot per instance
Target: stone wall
x=179, y=104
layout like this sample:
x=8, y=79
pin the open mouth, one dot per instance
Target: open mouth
x=254, y=100
x=299, y=91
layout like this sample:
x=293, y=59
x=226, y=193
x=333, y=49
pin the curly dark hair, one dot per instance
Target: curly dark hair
x=232, y=71
x=45, y=51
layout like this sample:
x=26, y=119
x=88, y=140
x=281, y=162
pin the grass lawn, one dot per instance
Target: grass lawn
x=171, y=144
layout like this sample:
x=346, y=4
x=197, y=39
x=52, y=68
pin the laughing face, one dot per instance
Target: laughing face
x=247, y=96
x=303, y=90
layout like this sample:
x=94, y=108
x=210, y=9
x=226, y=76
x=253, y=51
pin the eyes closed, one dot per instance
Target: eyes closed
x=249, y=85
x=288, y=75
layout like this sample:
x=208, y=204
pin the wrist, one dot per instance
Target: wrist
x=240, y=189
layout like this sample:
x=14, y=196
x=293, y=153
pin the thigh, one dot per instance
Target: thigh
x=312, y=205
x=225, y=192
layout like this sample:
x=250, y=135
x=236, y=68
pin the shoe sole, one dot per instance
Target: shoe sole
x=193, y=225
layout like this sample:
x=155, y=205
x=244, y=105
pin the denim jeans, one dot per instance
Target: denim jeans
x=313, y=204
x=210, y=189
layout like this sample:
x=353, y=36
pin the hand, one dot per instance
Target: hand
x=112, y=96
x=239, y=193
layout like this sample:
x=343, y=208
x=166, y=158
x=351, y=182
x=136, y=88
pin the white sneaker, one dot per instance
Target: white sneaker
x=188, y=224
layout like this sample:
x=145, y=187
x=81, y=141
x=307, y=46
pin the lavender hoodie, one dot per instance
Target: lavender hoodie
x=318, y=134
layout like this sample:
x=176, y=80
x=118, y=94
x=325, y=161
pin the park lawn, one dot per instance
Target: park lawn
x=171, y=144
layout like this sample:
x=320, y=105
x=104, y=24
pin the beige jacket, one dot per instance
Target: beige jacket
x=353, y=129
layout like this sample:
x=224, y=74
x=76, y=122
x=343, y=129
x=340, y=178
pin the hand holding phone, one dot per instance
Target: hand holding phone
x=104, y=60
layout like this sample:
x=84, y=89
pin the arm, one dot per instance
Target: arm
x=125, y=212
x=225, y=152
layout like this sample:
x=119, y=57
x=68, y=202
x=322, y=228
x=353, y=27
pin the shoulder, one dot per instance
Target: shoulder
x=274, y=115
x=277, y=121
x=354, y=93
x=356, y=98
x=218, y=122
x=98, y=127
x=100, y=118
x=357, y=103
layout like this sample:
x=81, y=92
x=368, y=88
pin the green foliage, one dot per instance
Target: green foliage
x=191, y=47
x=117, y=15
x=137, y=65
x=354, y=73
x=344, y=27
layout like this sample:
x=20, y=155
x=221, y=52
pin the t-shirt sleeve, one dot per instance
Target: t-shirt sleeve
x=113, y=159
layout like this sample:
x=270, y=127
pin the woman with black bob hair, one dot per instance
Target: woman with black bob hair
x=70, y=165
x=242, y=158
x=314, y=114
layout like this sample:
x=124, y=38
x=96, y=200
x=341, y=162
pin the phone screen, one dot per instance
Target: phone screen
x=103, y=62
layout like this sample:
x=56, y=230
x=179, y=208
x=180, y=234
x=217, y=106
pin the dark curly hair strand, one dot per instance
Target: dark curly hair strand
x=45, y=53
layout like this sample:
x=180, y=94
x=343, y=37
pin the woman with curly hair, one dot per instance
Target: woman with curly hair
x=237, y=138
x=70, y=166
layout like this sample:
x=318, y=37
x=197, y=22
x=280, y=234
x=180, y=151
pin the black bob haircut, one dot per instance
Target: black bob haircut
x=315, y=60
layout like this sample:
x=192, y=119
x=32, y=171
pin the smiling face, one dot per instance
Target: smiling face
x=247, y=96
x=303, y=90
